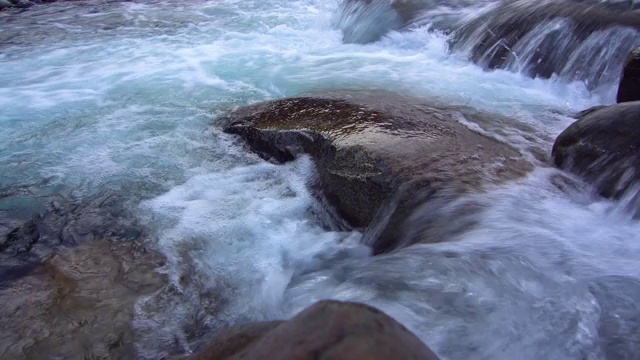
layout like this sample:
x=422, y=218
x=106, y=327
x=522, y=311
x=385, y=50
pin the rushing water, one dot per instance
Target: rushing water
x=123, y=95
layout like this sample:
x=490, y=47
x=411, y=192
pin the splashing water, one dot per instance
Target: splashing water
x=575, y=41
x=547, y=269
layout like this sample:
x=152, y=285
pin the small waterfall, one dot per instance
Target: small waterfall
x=600, y=57
x=572, y=40
x=363, y=22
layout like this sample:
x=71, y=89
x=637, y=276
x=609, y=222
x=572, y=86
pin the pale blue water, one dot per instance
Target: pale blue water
x=125, y=95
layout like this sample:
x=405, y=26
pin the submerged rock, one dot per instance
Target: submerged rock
x=629, y=88
x=379, y=155
x=326, y=330
x=603, y=147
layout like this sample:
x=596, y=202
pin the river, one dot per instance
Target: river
x=123, y=97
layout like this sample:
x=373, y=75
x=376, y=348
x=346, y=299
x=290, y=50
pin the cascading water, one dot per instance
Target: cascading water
x=120, y=97
x=568, y=39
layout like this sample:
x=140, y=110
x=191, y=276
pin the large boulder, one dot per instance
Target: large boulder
x=603, y=147
x=326, y=330
x=379, y=155
x=629, y=88
x=577, y=40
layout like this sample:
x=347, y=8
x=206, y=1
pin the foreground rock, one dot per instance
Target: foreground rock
x=79, y=304
x=379, y=155
x=326, y=330
x=69, y=280
x=603, y=147
x=629, y=89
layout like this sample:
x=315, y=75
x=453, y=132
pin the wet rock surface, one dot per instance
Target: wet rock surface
x=379, y=155
x=79, y=303
x=629, y=88
x=69, y=279
x=603, y=146
x=235, y=339
x=64, y=223
x=326, y=330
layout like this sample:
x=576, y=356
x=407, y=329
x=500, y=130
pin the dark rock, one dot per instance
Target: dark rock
x=24, y=4
x=379, y=154
x=235, y=339
x=544, y=38
x=629, y=89
x=603, y=147
x=326, y=330
x=66, y=222
x=589, y=111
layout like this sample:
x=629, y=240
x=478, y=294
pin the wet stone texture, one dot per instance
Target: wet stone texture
x=325, y=330
x=69, y=280
x=379, y=155
x=79, y=304
x=629, y=88
x=602, y=146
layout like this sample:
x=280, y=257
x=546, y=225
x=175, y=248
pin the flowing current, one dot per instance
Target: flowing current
x=124, y=97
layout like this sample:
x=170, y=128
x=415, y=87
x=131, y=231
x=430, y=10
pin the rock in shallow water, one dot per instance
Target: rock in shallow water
x=379, y=155
x=603, y=147
x=69, y=279
x=79, y=304
x=326, y=330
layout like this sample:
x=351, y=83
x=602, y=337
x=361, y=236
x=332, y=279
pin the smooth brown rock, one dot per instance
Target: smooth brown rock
x=379, y=155
x=234, y=340
x=326, y=330
x=603, y=147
